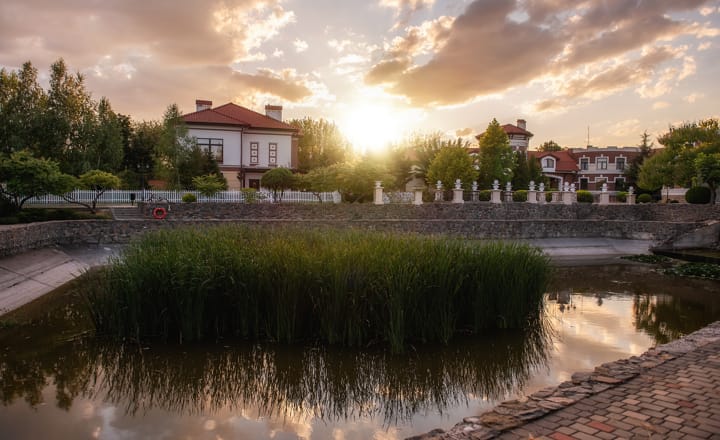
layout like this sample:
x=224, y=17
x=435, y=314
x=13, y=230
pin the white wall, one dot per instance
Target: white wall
x=231, y=142
x=283, y=141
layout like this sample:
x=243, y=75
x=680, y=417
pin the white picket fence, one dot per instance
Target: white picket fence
x=127, y=197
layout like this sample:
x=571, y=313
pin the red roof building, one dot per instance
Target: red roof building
x=246, y=143
x=517, y=134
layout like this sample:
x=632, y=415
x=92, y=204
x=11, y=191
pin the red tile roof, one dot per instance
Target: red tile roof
x=514, y=129
x=565, y=160
x=233, y=114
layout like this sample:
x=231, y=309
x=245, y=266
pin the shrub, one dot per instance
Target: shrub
x=644, y=198
x=621, y=197
x=549, y=196
x=250, y=195
x=698, y=195
x=584, y=196
x=342, y=287
x=484, y=195
x=189, y=198
x=520, y=195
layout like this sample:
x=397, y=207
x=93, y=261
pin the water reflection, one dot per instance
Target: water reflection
x=275, y=381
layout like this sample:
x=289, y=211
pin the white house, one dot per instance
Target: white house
x=246, y=144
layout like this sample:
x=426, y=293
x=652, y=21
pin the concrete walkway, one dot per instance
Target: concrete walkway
x=27, y=276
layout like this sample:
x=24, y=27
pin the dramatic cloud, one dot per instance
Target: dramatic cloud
x=498, y=44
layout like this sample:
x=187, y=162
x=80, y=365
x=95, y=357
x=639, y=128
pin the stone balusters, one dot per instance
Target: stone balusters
x=495, y=193
x=604, y=195
x=378, y=197
x=458, y=192
x=630, y=199
x=532, y=194
x=439, y=196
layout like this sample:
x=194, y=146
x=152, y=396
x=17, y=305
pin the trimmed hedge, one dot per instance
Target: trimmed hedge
x=698, y=195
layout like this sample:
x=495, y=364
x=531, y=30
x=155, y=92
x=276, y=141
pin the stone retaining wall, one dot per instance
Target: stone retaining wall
x=471, y=220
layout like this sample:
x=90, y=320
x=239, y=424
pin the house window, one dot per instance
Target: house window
x=254, y=183
x=584, y=183
x=215, y=146
x=584, y=163
x=620, y=163
x=602, y=163
x=254, y=147
x=272, y=155
x=620, y=184
x=549, y=163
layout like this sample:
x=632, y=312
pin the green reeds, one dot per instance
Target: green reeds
x=342, y=287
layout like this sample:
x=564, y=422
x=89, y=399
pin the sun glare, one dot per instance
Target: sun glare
x=371, y=127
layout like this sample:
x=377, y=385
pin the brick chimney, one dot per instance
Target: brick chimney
x=201, y=104
x=274, y=111
x=522, y=124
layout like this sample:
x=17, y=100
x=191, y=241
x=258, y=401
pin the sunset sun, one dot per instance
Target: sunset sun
x=371, y=127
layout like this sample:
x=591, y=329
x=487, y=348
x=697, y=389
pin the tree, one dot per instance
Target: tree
x=633, y=171
x=140, y=152
x=174, y=148
x=526, y=169
x=550, y=146
x=97, y=181
x=453, y=163
x=708, y=170
x=657, y=171
x=321, y=143
x=22, y=104
x=23, y=176
x=319, y=180
x=210, y=184
x=105, y=151
x=357, y=180
x=496, y=156
x=277, y=181
x=423, y=148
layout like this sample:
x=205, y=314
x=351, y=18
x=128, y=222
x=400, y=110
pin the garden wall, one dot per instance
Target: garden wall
x=481, y=221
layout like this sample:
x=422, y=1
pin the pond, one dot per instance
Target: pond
x=57, y=383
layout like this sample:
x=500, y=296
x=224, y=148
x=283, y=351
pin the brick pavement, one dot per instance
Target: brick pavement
x=679, y=399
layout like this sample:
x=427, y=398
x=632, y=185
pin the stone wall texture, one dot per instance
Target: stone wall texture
x=471, y=220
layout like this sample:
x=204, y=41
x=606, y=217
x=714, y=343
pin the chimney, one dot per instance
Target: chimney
x=201, y=104
x=274, y=111
x=522, y=124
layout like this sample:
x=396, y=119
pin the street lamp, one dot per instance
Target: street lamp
x=143, y=169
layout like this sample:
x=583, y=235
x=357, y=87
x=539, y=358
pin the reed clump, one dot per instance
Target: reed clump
x=342, y=287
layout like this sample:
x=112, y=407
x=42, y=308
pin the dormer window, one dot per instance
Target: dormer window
x=548, y=162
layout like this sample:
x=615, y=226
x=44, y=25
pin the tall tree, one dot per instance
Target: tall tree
x=708, y=171
x=633, y=171
x=321, y=143
x=140, y=153
x=496, y=156
x=174, y=148
x=550, y=145
x=105, y=151
x=22, y=104
x=453, y=163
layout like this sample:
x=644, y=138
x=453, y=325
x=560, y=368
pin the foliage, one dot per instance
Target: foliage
x=321, y=144
x=23, y=177
x=698, y=195
x=496, y=156
x=707, y=167
x=520, y=195
x=357, y=180
x=277, y=181
x=22, y=104
x=189, y=198
x=342, y=287
x=96, y=181
x=319, y=180
x=210, y=184
x=549, y=146
x=632, y=173
x=647, y=258
x=657, y=171
x=197, y=162
x=484, y=195
x=250, y=194
x=621, y=197
x=644, y=198
x=700, y=270
x=453, y=163
x=32, y=215
x=139, y=153
x=175, y=151
x=584, y=196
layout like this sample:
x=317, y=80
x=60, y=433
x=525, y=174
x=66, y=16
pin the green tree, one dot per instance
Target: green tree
x=277, y=181
x=210, y=184
x=708, y=171
x=633, y=171
x=23, y=176
x=198, y=162
x=453, y=163
x=321, y=143
x=140, y=153
x=356, y=180
x=22, y=104
x=422, y=149
x=105, y=151
x=173, y=149
x=319, y=180
x=550, y=146
x=657, y=171
x=496, y=156
x=97, y=181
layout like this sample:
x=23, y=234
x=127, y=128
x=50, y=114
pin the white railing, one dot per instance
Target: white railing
x=127, y=197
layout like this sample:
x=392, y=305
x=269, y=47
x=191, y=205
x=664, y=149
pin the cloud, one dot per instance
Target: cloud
x=704, y=46
x=464, y=132
x=404, y=9
x=499, y=44
x=660, y=105
x=693, y=97
x=625, y=128
x=300, y=45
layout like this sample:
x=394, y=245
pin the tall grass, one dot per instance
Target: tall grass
x=343, y=287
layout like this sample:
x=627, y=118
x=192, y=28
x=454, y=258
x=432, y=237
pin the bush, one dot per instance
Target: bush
x=484, y=195
x=549, y=196
x=621, y=197
x=250, y=195
x=698, y=195
x=520, y=195
x=341, y=287
x=189, y=198
x=644, y=198
x=584, y=196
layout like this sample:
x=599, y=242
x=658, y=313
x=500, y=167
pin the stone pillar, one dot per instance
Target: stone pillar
x=604, y=195
x=378, y=199
x=418, y=200
x=508, y=192
x=541, y=194
x=532, y=195
x=458, y=192
x=630, y=199
x=439, y=192
x=475, y=194
x=495, y=193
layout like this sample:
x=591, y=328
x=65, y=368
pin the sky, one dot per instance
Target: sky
x=603, y=70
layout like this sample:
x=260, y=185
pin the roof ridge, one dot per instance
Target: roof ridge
x=248, y=109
